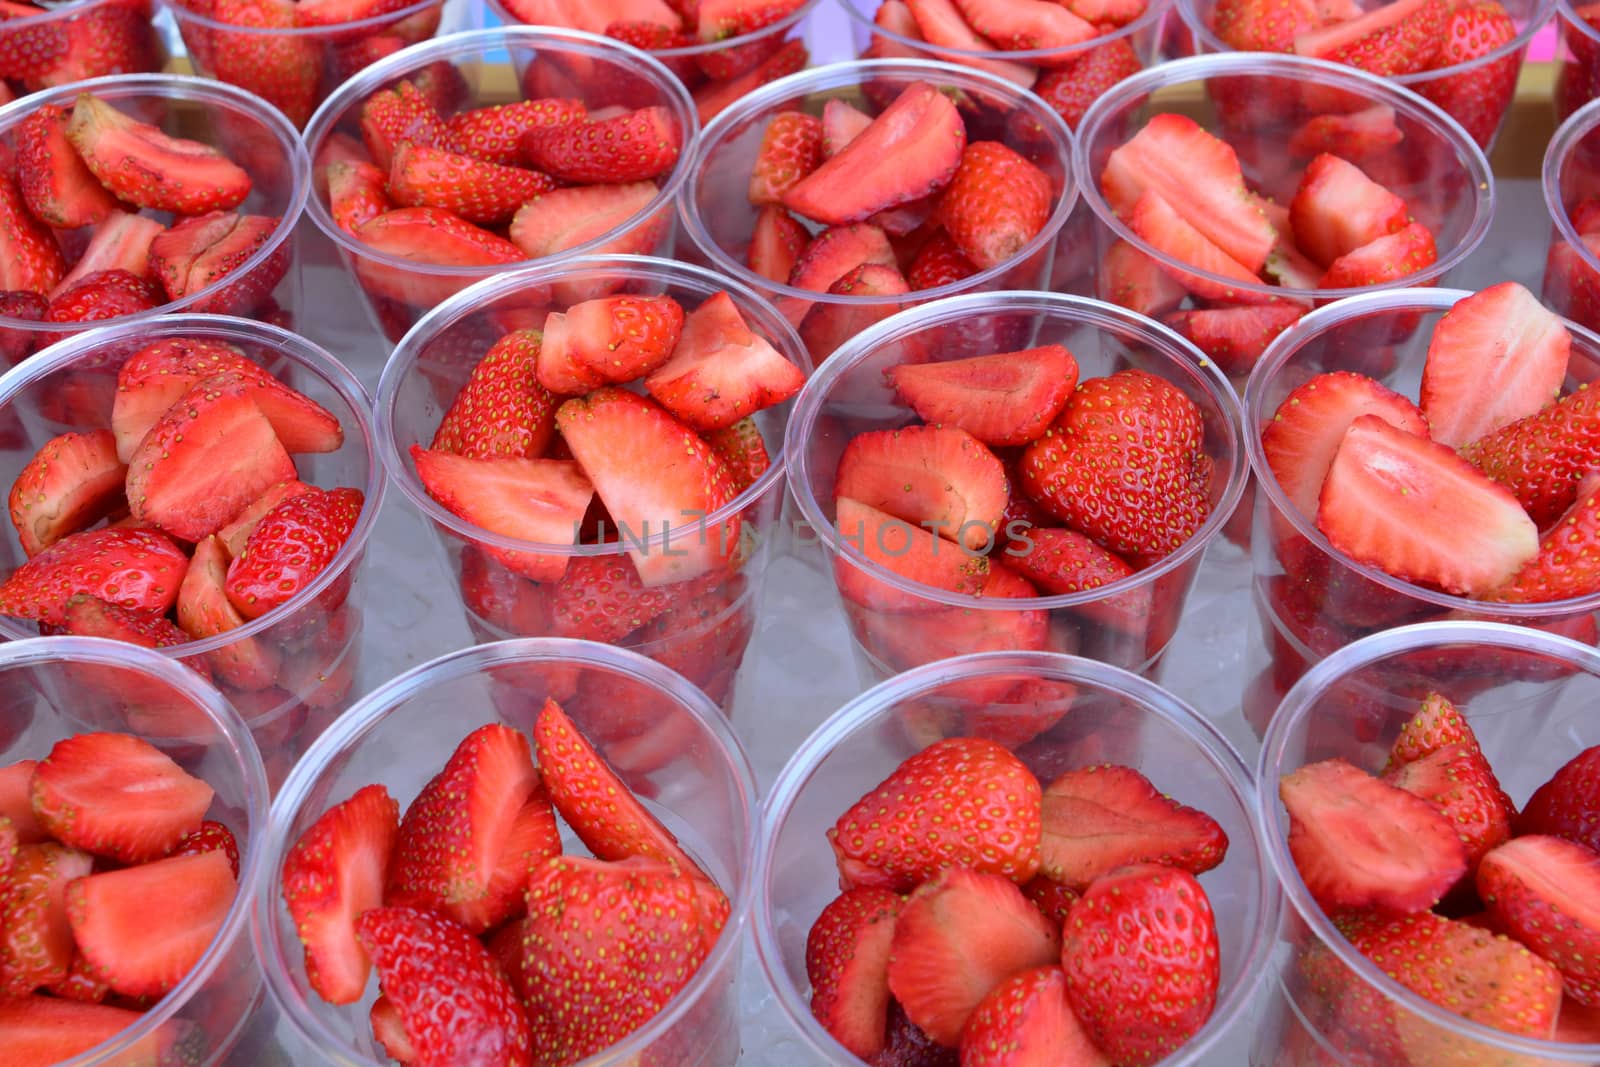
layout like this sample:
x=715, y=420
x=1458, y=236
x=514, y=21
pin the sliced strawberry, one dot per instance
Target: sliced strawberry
x=1027, y=1018
x=1337, y=209
x=138, y=569
x=776, y=243
x=1131, y=279
x=42, y=1031
x=567, y=218
x=997, y=202
x=1025, y=25
x=1354, y=136
x=1358, y=841
x=1009, y=398
x=633, y=147
x=958, y=936
x=143, y=928
x=205, y=611
x=502, y=411
x=1543, y=457
x=404, y=114
x=144, y=166
x=910, y=150
x=1235, y=337
x=292, y=544
x=1305, y=432
x=790, y=149
x=1461, y=786
x=479, y=192
x=842, y=122
x=427, y=235
x=721, y=371
x=1140, y=1000
x=236, y=534
x=940, y=22
x=847, y=963
x=1418, y=511
x=1394, y=39
x=1101, y=818
x=1198, y=175
x=494, y=134
x=1496, y=356
x=36, y=943
x=56, y=185
x=909, y=551
x=1387, y=259
x=939, y=478
x=1154, y=220
x=30, y=258
x=454, y=1002
x=119, y=242
x=73, y=481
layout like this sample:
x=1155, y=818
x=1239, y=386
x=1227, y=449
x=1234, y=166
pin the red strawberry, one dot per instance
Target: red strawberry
x=56, y=185
x=1070, y=89
x=404, y=114
x=1009, y=398
x=996, y=203
x=1353, y=137
x=847, y=963
x=199, y=252
x=1235, y=337
x=137, y=569
x=502, y=410
x=939, y=263
x=1141, y=960
x=909, y=151
x=1131, y=279
x=1496, y=356
x=293, y=544
x=776, y=243
x=1398, y=255
x=616, y=339
x=36, y=943
x=142, y=165
x=1397, y=38
x=635, y=146
x=595, y=927
x=494, y=134
x=1568, y=805
x=567, y=218
x=211, y=837
x=479, y=192
x=1027, y=1019
x=960, y=934
x=1544, y=456
x=30, y=259
x=791, y=148
x=923, y=818
x=1544, y=891
x=743, y=451
x=938, y=478
x=1566, y=565
x=1263, y=25
x=1421, y=513
x=73, y=481
x=1337, y=209
x=1025, y=25
x=1306, y=431
x=1101, y=818
x=1358, y=841
x=1140, y=497
x=1461, y=786
x=454, y=1002
x=143, y=928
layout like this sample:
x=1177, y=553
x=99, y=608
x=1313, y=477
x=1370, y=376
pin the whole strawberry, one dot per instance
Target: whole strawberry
x=1124, y=464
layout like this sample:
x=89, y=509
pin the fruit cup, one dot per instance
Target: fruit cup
x=88, y=243
x=1572, y=198
x=907, y=554
x=294, y=55
x=288, y=669
x=1162, y=154
x=720, y=51
x=1084, y=732
x=44, y=47
x=466, y=174
x=216, y=1010
x=1351, y=717
x=665, y=742
x=884, y=240
x=1465, y=59
x=663, y=575
x=1313, y=597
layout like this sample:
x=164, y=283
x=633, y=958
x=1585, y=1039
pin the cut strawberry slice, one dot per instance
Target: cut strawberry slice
x=957, y=937
x=938, y=478
x=939, y=22
x=1416, y=510
x=1360, y=842
x=156, y=377
x=847, y=963
x=541, y=500
x=909, y=551
x=1387, y=259
x=143, y=928
x=236, y=534
x=1163, y=228
x=42, y=1031
x=1496, y=356
x=334, y=872
x=117, y=796
x=1198, y=175
x=140, y=164
x=776, y=242
x=566, y=218
x=73, y=481
x=1025, y=25
x=1009, y=398
x=138, y=569
x=842, y=122
x=482, y=193
x=502, y=411
x=1129, y=278
x=911, y=150
x=120, y=242
x=36, y=944
x=205, y=611
x=790, y=149
x=1461, y=786
x=56, y=185
x=1337, y=209
x=494, y=134
x=721, y=371
x=1305, y=432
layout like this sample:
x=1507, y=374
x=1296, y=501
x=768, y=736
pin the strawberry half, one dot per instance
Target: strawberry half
x=138, y=569
x=938, y=478
x=1545, y=892
x=1027, y=1017
x=925, y=817
x=73, y=481
x=1009, y=398
x=502, y=410
x=333, y=874
x=293, y=544
x=721, y=371
x=1542, y=458
x=144, y=166
x=1568, y=805
x=847, y=964
x=36, y=945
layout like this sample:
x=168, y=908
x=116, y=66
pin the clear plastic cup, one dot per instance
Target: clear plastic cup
x=897, y=623
x=719, y=218
x=1112, y=716
x=1311, y=599
x=1578, y=53
x=218, y=1013
x=315, y=639
x=716, y=73
x=253, y=135
x=1571, y=177
x=543, y=62
x=1255, y=101
x=1459, y=90
x=78, y=40
x=682, y=760
x=295, y=68
x=705, y=634
x=1536, y=715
